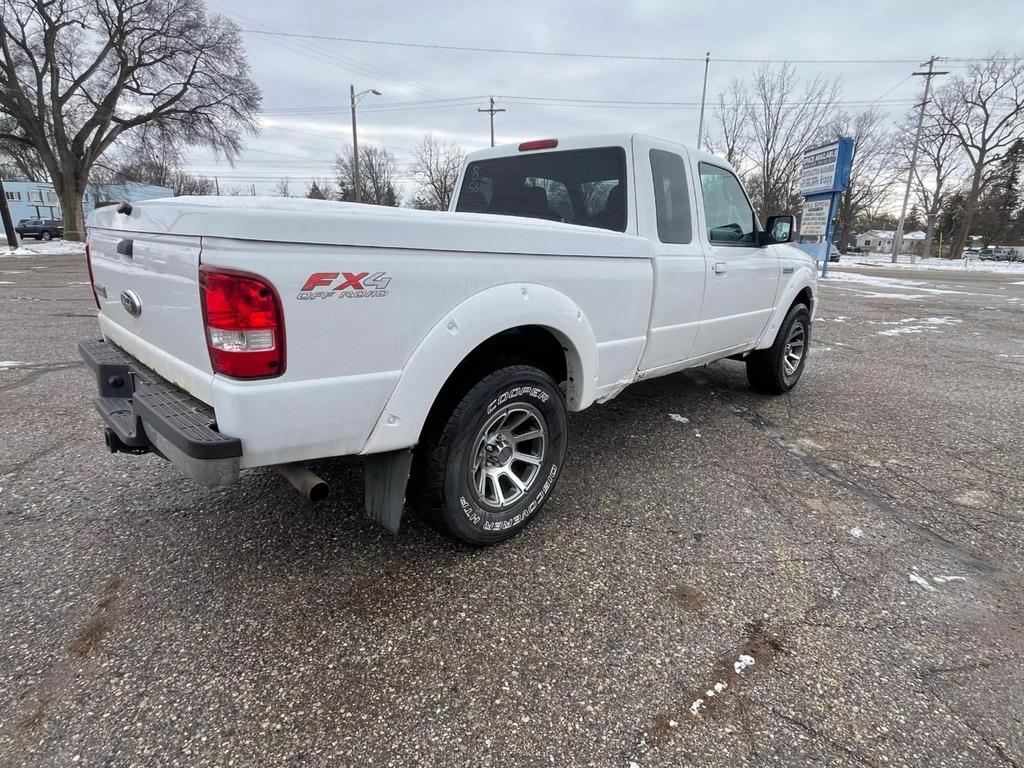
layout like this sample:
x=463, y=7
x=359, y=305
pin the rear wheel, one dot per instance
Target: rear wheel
x=776, y=370
x=486, y=466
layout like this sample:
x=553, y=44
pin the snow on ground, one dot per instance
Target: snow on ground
x=920, y=325
x=920, y=289
x=32, y=248
x=959, y=265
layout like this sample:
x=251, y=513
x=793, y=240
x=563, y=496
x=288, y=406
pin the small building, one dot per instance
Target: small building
x=38, y=199
x=880, y=241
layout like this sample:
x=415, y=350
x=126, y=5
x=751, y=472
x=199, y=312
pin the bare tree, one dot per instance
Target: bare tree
x=76, y=75
x=281, y=189
x=731, y=114
x=873, y=172
x=187, y=184
x=784, y=120
x=320, y=190
x=984, y=110
x=435, y=166
x=378, y=173
x=939, y=172
x=146, y=157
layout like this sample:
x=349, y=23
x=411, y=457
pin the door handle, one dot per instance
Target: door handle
x=719, y=267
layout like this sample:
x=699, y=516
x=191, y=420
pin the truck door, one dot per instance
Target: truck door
x=664, y=207
x=741, y=279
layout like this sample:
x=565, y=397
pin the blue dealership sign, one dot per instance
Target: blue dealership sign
x=826, y=168
x=824, y=175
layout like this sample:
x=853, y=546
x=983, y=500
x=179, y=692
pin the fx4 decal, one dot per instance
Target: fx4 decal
x=344, y=285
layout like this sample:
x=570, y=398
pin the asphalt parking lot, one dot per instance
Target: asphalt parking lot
x=841, y=567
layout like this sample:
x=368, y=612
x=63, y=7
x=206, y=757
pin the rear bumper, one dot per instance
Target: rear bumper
x=144, y=412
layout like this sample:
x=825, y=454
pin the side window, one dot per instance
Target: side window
x=730, y=218
x=671, y=200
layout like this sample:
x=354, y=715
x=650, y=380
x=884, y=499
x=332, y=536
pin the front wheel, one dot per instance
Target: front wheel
x=46, y=236
x=776, y=370
x=483, y=471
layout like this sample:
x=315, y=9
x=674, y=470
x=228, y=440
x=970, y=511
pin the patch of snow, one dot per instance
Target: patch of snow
x=696, y=433
x=857, y=533
x=6, y=282
x=897, y=283
x=1017, y=282
x=11, y=364
x=924, y=324
x=744, y=662
x=914, y=578
x=836, y=592
x=718, y=688
x=947, y=579
x=677, y=417
x=51, y=248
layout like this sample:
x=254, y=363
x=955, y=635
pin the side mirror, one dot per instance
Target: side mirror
x=780, y=229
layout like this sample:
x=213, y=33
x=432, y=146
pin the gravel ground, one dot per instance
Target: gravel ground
x=844, y=562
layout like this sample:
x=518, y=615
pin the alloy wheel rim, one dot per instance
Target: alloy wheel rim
x=507, y=456
x=793, y=354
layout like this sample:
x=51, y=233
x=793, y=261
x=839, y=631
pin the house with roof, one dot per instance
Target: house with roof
x=880, y=241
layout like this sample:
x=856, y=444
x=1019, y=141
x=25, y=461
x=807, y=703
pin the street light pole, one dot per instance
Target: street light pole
x=703, y=97
x=354, y=97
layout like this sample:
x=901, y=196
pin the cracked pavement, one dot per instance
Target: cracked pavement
x=859, y=541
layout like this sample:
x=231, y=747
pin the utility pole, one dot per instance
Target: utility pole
x=216, y=185
x=703, y=97
x=897, y=241
x=491, y=111
x=5, y=211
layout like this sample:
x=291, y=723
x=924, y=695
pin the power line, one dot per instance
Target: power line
x=330, y=57
x=578, y=54
x=568, y=102
x=329, y=109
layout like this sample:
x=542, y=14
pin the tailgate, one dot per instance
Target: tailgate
x=151, y=304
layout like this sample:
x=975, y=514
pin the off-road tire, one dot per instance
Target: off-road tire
x=441, y=486
x=766, y=368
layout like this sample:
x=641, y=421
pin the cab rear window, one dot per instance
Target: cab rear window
x=580, y=186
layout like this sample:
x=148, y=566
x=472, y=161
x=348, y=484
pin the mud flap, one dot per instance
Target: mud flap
x=385, y=476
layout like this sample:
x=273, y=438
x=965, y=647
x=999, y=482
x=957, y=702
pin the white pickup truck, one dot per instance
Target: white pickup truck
x=446, y=347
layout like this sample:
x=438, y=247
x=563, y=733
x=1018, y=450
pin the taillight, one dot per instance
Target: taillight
x=529, y=146
x=244, y=323
x=92, y=281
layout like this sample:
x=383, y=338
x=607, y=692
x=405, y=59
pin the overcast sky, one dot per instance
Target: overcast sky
x=305, y=82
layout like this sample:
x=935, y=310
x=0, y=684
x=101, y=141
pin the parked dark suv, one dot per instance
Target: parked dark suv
x=40, y=229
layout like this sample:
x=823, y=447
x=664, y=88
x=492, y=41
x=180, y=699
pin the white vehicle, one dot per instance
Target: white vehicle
x=446, y=347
